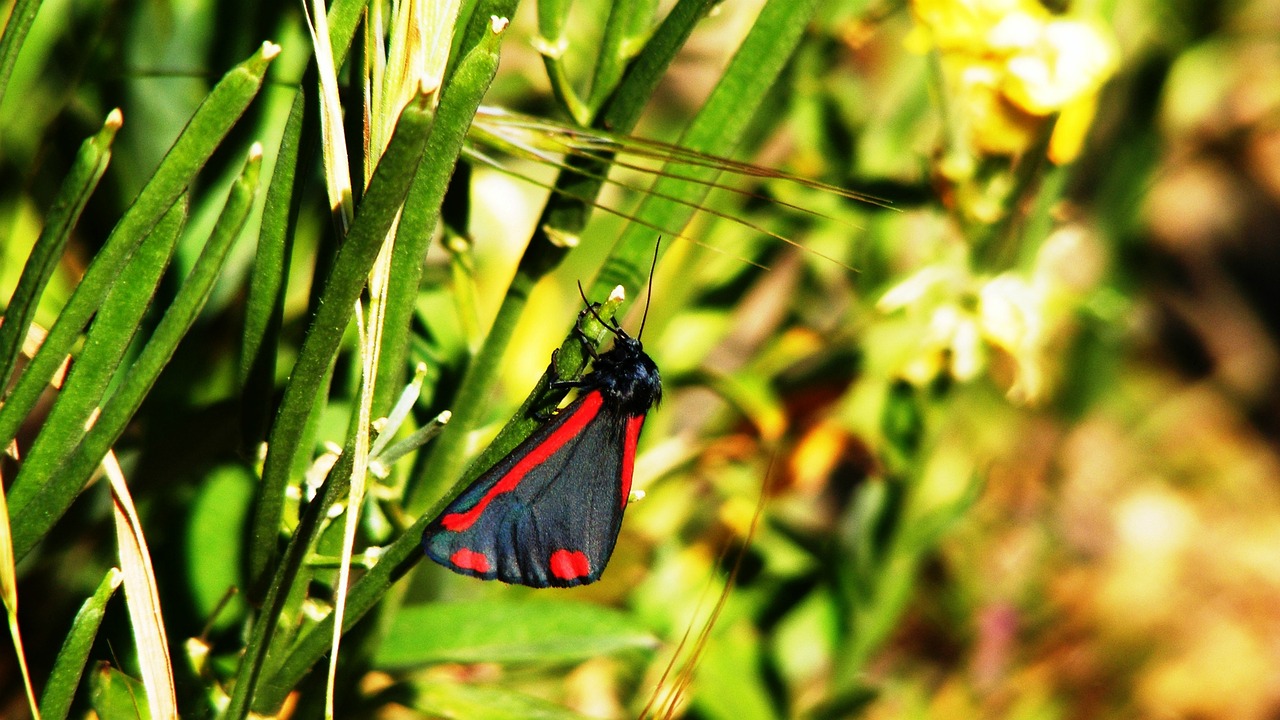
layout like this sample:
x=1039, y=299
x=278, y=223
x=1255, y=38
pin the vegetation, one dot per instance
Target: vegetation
x=963, y=310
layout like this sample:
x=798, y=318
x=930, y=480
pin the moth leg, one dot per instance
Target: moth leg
x=555, y=384
x=541, y=416
x=588, y=346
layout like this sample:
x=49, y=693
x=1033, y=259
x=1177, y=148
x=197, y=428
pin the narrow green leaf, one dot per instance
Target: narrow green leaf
x=377, y=211
x=618, y=46
x=264, y=308
x=60, y=689
x=202, y=135
x=552, y=17
x=91, y=161
x=479, y=27
x=40, y=494
x=16, y=27
x=508, y=631
x=458, y=701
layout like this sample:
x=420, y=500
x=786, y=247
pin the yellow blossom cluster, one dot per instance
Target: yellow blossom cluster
x=1012, y=65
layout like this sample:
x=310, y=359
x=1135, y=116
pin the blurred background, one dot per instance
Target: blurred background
x=1015, y=421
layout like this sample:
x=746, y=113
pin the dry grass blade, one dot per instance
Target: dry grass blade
x=549, y=159
x=8, y=572
x=334, y=146
x=509, y=126
x=142, y=597
x=9, y=588
x=668, y=699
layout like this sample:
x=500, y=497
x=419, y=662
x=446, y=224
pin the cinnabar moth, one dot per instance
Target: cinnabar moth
x=548, y=514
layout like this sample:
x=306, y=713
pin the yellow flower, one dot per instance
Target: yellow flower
x=963, y=25
x=1069, y=60
x=996, y=126
x=1013, y=65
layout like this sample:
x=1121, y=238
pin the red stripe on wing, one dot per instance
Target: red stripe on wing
x=630, y=440
x=586, y=411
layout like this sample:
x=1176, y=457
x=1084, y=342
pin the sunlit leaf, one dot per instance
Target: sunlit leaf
x=506, y=631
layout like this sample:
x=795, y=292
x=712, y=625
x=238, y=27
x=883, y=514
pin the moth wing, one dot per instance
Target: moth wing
x=548, y=514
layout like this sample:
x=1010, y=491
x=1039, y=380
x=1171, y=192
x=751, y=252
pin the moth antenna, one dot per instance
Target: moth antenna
x=592, y=309
x=648, y=297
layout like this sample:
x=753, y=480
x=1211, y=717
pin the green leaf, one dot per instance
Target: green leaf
x=203, y=134
x=215, y=544
x=264, y=307
x=484, y=702
x=627, y=22
x=269, y=277
x=458, y=104
x=60, y=689
x=40, y=495
x=116, y=696
x=79, y=184
x=18, y=23
x=56, y=495
x=378, y=209
x=507, y=631
x=729, y=684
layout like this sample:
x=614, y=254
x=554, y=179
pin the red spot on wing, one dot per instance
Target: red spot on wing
x=585, y=413
x=466, y=559
x=630, y=439
x=569, y=564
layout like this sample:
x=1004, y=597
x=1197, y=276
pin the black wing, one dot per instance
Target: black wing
x=548, y=514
